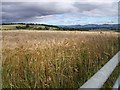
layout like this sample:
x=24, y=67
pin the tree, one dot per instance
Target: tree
x=46, y=28
x=27, y=25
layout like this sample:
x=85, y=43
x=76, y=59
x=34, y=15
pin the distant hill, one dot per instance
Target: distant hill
x=92, y=26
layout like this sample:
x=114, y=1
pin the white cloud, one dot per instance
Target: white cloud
x=67, y=1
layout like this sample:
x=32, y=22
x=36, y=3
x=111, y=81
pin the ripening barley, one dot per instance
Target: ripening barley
x=55, y=59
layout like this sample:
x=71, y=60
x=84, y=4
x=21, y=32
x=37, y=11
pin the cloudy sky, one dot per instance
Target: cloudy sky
x=60, y=12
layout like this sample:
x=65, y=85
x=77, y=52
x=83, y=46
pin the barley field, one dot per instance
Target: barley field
x=55, y=59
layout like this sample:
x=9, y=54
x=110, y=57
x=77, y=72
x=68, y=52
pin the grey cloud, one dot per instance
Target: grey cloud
x=15, y=11
x=85, y=6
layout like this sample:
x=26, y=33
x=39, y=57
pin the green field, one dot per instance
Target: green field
x=10, y=27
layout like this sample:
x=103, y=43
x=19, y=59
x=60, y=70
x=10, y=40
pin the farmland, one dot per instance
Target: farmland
x=55, y=59
x=28, y=27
